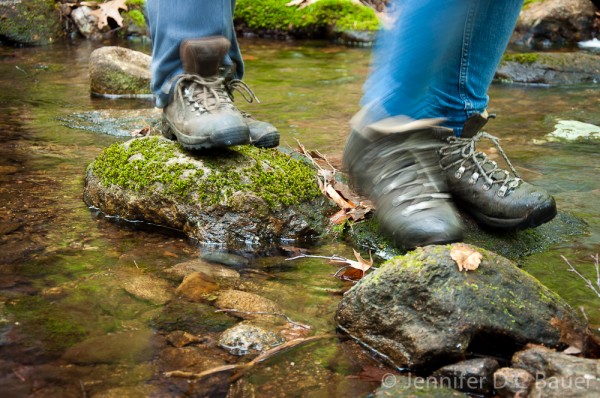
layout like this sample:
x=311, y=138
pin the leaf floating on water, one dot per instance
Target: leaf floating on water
x=467, y=258
x=110, y=9
x=355, y=269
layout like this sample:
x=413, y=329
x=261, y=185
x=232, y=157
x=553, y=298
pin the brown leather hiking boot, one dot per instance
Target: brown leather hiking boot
x=201, y=113
x=496, y=197
x=394, y=162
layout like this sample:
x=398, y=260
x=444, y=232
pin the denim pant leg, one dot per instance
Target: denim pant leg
x=410, y=53
x=462, y=86
x=172, y=21
x=439, y=59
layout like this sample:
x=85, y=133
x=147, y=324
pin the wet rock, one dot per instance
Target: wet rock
x=231, y=260
x=120, y=72
x=86, y=22
x=246, y=302
x=245, y=338
x=573, y=130
x=194, y=318
x=359, y=38
x=555, y=22
x=197, y=287
x=419, y=310
x=124, y=347
x=474, y=375
x=190, y=359
x=397, y=386
x=239, y=196
x=147, y=287
x=510, y=382
x=223, y=275
x=179, y=338
x=115, y=122
x=558, y=374
x=550, y=68
x=513, y=245
x=31, y=22
x=141, y=391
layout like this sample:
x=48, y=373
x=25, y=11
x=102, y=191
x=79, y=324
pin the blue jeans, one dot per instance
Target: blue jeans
x=438, y=59
x=172, y=21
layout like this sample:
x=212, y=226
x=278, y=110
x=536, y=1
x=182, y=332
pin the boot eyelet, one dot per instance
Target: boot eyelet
x=487, y=187
x=459, y=173
x=502, y=191
x=474, y=178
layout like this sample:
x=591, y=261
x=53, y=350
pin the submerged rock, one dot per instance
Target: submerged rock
x=244, y=338
x=119, y=72
x=573, y=130
x=223, y=275
x=550, y=68
x=197, y=286
x=247, y=303
x=115, y=122
x=555, y=22
x=420, y=311
x=234, y=197
x=510, y=382
x=558, y=374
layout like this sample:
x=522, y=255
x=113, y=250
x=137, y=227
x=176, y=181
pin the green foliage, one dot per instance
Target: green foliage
x=527, y=3
x=137, y=17
x=275, y=15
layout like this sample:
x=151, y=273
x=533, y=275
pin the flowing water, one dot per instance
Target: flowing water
x=63, y=266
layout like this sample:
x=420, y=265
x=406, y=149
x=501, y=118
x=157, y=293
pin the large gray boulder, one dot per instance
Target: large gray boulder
x=555, y=22
x=119, y=72
x=421, y=312
x=236, y=197
x=550, y=68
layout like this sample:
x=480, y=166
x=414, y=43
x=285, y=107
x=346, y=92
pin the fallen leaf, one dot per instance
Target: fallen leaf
x=467, y=258
x=143, y=132
x=110, y=9
x=572, y=351
x=361, y=265
x=339, y=218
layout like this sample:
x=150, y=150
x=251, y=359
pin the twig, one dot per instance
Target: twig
x=586, y=280
x=245, y=367
x=287, y=318
x=335, y=257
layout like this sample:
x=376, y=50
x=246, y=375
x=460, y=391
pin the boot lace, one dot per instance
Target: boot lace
x=202, y=93
x=461, y=152
x=246, y=92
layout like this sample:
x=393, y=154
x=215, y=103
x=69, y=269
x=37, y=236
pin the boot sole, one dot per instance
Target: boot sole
x=220, y=139
x=504, y=224
x=267, y=141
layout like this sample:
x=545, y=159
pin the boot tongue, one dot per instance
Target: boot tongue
x=203, y=56
x=475, y=123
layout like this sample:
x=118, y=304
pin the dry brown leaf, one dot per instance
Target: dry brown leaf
x=357, y=268
x=467, y=258
x=339, y=218
x=110, y=9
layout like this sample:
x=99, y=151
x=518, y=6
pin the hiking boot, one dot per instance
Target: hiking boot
x=496, y=197
x=201, y=113
x=262, y=134
x=394, y=162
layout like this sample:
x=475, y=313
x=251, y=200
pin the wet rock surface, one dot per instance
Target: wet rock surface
x=197, y=286
x=558, y=374
x=246, y=303
x=246, y=338
x=421, y=312
x=223, y=275
x=120, y=72
x=239, y=196
x=474, y=375
x=30, y=22
x=510, y=382
x=552, y=22
x=562, y=68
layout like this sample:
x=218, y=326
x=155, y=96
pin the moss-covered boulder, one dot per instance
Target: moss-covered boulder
x=322, y=19
x=422, y=312
x=118, y=71
x=562, y=68
x=30, y=22
x=239, y=196
x=544, y=23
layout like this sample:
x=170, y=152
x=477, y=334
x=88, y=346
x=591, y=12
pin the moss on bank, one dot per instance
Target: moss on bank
x=30, y=22
x=155, y=164
x=274, y=15
x=525, y=58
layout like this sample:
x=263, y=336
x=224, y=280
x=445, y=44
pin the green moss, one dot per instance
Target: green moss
x=153, y=164
x=275, y=15
x=527, y=3
x=135, y=17
x=31, y=22
x=122, y=83
x=525, y=58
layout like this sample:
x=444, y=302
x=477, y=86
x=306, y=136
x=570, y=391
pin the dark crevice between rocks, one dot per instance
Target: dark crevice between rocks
x=487, y=343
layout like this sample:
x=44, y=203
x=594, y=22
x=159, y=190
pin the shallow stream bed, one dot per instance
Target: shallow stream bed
x=63, y=266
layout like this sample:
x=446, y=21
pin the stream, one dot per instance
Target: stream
x=63, y=266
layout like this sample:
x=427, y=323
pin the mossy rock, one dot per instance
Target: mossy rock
x=234, y=197
x=119, y=71
x=564, y=68
x=422, y=312
x=323, y=19
x=30, y=22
